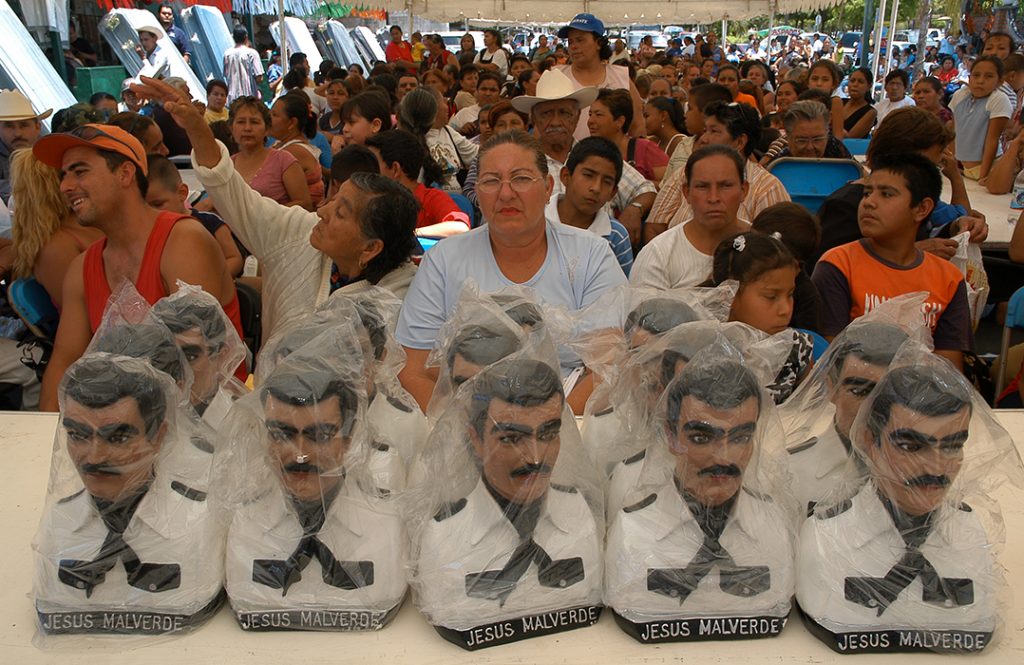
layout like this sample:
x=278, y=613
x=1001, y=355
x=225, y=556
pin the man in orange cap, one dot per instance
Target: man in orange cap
x=103, y=179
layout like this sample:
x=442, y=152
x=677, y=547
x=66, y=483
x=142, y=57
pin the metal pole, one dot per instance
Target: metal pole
x=865, y=30
x=892, y=37
x=408, y=6
x=876, y=53
x=771, y=24
x=284, y=37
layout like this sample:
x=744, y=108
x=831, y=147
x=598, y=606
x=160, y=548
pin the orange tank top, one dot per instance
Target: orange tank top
x=149, y=283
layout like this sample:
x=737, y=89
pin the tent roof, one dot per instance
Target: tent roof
x=617, y=12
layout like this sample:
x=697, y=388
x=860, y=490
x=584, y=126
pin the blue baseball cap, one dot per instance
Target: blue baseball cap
x=585, y=22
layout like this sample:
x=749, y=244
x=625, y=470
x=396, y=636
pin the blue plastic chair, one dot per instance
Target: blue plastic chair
x=1014, y=319
x=810, y=181
x=465, y=205
x=857, y=146
x=33, y=305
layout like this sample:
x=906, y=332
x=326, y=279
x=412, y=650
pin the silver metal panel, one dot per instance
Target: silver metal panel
x=24, y=67
x=368, y=45
x=299, y=40
x=120, y=28
x=334, y=40
x=208, y=32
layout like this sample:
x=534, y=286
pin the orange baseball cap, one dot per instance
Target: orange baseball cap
x=50, y=149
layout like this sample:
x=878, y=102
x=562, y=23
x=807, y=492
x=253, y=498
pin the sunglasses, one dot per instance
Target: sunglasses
x=88, y=133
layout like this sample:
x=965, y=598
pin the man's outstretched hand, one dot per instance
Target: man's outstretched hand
x=188, y=117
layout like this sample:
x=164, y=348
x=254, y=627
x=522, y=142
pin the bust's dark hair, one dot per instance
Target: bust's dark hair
x=183, y=314
x=930, y=391
x=722, y=384
x=148, y=341
x=96, y=382
x=310, y=383
x=522, y=382
x=873, y=342
x=657, y=315
x=482, y=345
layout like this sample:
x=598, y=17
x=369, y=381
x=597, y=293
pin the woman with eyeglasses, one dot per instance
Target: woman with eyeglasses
x=275, y=174
x=567, y=267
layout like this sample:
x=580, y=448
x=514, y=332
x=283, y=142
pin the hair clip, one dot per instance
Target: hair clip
x=777, y=235
x=739, y=243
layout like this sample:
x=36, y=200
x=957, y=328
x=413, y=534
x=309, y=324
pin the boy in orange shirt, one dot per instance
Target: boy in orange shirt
x=853, y=278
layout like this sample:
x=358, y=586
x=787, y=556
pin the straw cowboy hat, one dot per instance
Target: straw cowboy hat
x=554, y=86
x=155, y=28
x=16, y=106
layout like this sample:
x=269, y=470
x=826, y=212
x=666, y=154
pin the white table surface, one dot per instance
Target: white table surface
x=996, y=208
x=25, y=445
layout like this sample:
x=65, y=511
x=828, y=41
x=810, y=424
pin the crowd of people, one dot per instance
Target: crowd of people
x=505, y=304
x=619, y=166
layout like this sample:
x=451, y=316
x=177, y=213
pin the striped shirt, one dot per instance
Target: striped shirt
x=672, y=208
x=605, y=226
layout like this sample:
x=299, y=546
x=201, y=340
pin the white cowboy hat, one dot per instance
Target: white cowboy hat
x=553, y=86
x=16, y=106
x=155, y=28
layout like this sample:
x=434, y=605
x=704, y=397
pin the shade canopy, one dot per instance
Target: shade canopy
x=612, y=12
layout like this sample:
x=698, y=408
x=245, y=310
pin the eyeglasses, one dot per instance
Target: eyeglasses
x=92, y=133
x=804, y=142
x=518, y=183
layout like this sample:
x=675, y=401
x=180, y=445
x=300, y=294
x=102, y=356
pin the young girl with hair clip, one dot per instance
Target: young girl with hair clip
x=766, y=272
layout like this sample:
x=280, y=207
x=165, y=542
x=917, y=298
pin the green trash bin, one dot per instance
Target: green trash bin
x=99, y=79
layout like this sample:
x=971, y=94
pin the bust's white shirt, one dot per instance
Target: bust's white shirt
x=862, y=541
x=173, y=524
x=663, y=534
x=479, y=538
x=358, y=527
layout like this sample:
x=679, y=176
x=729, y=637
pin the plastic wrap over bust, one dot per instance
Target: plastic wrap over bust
x=649, y=368
x=702, y=547
x=902, y=554
x=128, y=543
x=818, y=416
x=394, y=418
x=483, y=329
x=504, y=510
x=315, y=542
x=609, y=333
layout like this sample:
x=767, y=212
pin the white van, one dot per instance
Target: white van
x=452, y=40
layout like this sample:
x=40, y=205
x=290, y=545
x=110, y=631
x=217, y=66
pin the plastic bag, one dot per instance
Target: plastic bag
x=314, y=543
x=395, y=420
x=819, y=415
x=908, y=561
x=968, y=260
x=128, y=544
x=211, y=346
x=504, y=511
x=702, y=547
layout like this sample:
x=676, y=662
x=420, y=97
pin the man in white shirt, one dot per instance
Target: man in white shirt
x=903, y=565
x=321, y=549
x=705, y=550
x=518, y=546
x=153, y=57
x=715, y=187
x=243, y=69
x=896, y=83
x=136, y=550
x=858, y=358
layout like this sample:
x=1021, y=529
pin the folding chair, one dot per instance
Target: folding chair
x=857, y=146
x=33, y=305
x=810, y=181
x=1014, y=319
